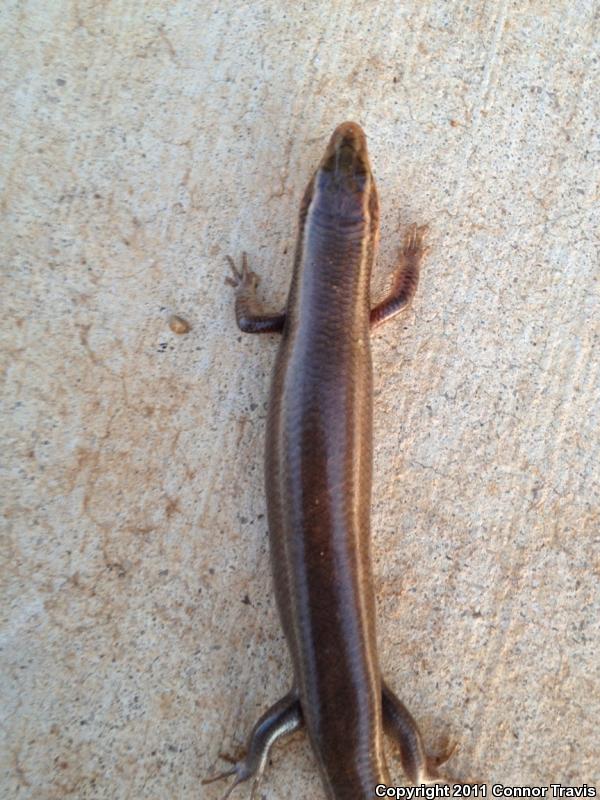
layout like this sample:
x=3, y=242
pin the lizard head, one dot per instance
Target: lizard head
x=343, y=179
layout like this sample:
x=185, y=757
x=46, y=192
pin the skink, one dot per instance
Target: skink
x=318, y=469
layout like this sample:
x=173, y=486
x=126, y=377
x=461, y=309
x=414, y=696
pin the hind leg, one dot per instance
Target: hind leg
x=284, y=717
x=400, y=726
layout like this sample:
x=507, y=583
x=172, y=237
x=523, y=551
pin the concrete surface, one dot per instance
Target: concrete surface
x=141, y=143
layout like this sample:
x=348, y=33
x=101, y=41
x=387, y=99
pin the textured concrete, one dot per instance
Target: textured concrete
x=141, y=143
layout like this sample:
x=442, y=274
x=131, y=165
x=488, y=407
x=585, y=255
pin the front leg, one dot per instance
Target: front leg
x=405, y=279
x=250, y=317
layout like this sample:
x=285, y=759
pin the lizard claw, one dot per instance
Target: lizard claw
x=413, y=241
x=242, y=278
x=241, y=775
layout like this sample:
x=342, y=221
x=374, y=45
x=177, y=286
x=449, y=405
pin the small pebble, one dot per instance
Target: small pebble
x=179, y=325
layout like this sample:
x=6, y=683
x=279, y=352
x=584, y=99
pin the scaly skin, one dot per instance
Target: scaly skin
x=318, y=470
